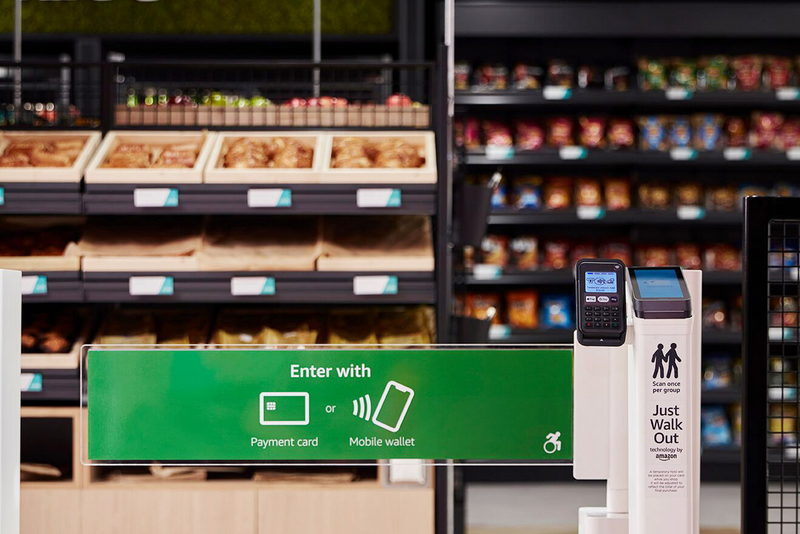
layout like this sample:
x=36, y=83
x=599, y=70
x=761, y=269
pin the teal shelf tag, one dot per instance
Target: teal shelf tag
x=34, y=284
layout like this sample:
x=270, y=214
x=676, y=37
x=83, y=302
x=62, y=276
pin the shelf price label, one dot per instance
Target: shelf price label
x=736, y=153
x=499, y=331
x=484, y=271
x=572, y=152
x=793, y=153
x=682, y=154
x=378, y=198
x=34, y=285
x=787, y=93
x=252, y=286
x=555, y=92
x=590, y=213
x=155, y=197
x=31, y=382
x=375, y=285
x=691, y=213
x=2, y=196
x=151, y=285
x=495, y=152
x=269, y=198
x=678, y=93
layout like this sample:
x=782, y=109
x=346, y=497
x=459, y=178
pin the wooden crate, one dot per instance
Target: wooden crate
x=49, y=174
x=422, y=175
x=366, y=116
x=216, y=173
x=69, y=360
x=41, y=263
x=97, y=174
x=140, y=264
x=73, y=414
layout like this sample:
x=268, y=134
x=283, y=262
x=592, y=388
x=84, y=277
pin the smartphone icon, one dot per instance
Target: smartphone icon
x=393, y=406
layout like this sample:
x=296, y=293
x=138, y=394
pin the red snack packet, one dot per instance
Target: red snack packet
x=583, y=250
x=593, y=132
x=777, y=72
x=587, y=192
x=496, y=134
x=555, y=255
x=618, y=194
x=530, y=135
x=688, y=255
x=559, y=132
x=654, y=256
x=472, y=137
x=790, y=134
x=722, y=257
x=617, y=251
x=620, y=133
x=735, y=132
x=558, y=193
x=764, y=129
x=747, y=72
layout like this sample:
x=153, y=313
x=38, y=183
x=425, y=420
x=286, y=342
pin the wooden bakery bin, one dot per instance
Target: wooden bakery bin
x=376, y=175
x=95, y=173
x=215, y=172
x=71, y=174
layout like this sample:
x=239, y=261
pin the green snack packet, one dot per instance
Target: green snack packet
x=652, y=75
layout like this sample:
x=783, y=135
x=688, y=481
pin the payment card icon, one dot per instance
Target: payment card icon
x=283, y=408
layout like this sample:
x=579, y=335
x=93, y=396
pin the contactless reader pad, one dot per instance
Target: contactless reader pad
x=600, y=300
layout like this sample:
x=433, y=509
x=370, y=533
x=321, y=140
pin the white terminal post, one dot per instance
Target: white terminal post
x=637, y=397
x=10, y=379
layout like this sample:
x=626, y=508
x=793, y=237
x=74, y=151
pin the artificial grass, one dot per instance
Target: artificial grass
x=175, y=17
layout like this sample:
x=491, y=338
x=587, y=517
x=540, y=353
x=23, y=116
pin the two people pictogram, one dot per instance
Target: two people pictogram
x=671, y=358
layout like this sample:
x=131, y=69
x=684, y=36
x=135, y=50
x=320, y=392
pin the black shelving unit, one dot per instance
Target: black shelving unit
x=40, y=198
x=51, y=386
x=607, y=34
x=629, y=217
x=625, y=101
x=634, y=158
x=287, y=288
x=54, y=287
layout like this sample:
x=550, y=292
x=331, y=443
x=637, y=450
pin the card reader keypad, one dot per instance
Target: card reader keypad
x=597, y=316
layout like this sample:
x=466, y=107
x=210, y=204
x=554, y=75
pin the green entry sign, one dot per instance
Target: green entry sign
x=265, y=405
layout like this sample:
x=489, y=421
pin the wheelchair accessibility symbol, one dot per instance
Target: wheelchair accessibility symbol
x=553, y=443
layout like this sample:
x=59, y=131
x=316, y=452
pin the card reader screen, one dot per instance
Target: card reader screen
x=658, y=284
x=600, y=282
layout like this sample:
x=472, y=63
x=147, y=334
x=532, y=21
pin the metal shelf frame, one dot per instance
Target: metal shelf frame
x=232, y=199
x=290, y=288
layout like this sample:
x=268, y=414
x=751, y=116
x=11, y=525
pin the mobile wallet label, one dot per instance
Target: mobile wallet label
x=242, y=405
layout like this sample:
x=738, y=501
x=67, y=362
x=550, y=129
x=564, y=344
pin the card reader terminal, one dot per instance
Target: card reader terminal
x=659, y=293
x=600, y=300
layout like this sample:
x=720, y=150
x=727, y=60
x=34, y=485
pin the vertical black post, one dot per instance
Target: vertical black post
x=757, y=213
x=444, y=282
x=107, y=96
